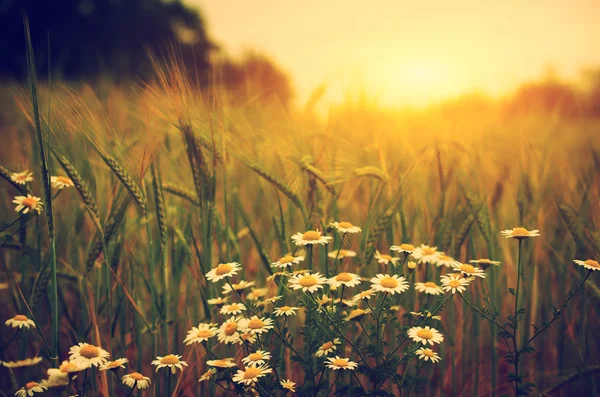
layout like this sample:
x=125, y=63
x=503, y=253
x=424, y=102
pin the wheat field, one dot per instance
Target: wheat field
x=217, y=248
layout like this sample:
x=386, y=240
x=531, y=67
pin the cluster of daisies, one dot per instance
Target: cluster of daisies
x=30, y=203
x=81, y=357
x=247, y=321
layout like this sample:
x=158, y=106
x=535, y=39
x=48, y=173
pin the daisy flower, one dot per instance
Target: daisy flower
x=341, y=254
x=218, y=301
x=229, y=331
x=222, y=271
x=310, y=282
x=348, y=302
x=589, y=264
x=288, y=384
x=170, y=360
x=234, y=308
x=323, y=300
x=86, y=355
x=520, y=233
x=201, y=333
x=29, y=203
x=311, y=237
x=259, y=357
x=453, y=283
x=357, y=314
x=406, y=248
x=445, y=260
x=346, y=227
x=485, y=263
x=207, y=375
x=345, y=279
x=426, y=254
x=340, y=363
x=114, y=365
x=255, y=325
x=135, y=379
x=384, y=259
x=411, y=266
x=30, y=388
x=257, y=293
x=468, y=270
x=426, y=314
x=60, y=376
x=392, y=284
x=222, y=363
x=21, y=178
x=251, y=374
x=426, y=354
x=287, y=260
x=61, y=182
x=328, y=347
x=242, y=285
x=425, y=335
x=285, y=311
x=28, y=362
x=20, y=321
x=364, y=295
x=429, y=287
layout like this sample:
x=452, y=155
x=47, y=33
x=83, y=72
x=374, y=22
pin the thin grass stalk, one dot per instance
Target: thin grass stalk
x=47, y=189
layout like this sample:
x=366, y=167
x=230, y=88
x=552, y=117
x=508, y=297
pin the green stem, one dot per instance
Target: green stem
x=515, y=322
x=412, y=382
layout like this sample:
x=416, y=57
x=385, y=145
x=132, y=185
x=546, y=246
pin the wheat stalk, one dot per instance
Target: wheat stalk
x=182, y=192
x=80, y=185
x=125, y=179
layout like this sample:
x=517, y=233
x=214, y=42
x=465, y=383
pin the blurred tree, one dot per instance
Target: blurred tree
x=549, y=95
x=89, y=38
x=592, y=89
x=255, y=78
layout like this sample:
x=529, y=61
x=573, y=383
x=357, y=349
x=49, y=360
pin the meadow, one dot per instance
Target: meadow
x=212, y=247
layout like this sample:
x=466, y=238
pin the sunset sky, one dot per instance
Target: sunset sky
x=409, y=52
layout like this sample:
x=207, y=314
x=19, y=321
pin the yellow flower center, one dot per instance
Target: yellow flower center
x=407, y=247
x=89, y=351
x=454, y=283
x=20, y=317
x=341, y=362
x=31, y=385
x=21, y=177
x=327, y=345
x=29, y=202
x=136, y=376
x=388, y=282
x=428, y=353
x=345, y=225
x=425, y=334
x=251, y=373
x=307, y=281
x=385, y=257
x=255, y=323
x=169, y=360
x=68, y=367
x=411, y=265
x=285, y=308
x=246, y=337
x=286, y=259
x=428, y=251
x=230, y=329
x=63, y=179
x=344, y=277
x=520, y=232
x=445, y=258
x=223, y=268
x=430, y=284
x=467, y=268
x=204, y=333
x=255, y=356
x=592, y=263
x=311, y=235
